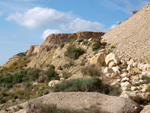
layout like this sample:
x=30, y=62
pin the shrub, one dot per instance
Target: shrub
x=113, y=46
x=146, y=79
x=97, y=44
x=91, y=70
x=34, y=73
x=66, y=74
x=74, y=52
x=95, y=52
x=51, y=73
x=68, y=65
x=2, y=100
x=62, y=45
x=86, y=85
x=85, y=42
x=80, y=40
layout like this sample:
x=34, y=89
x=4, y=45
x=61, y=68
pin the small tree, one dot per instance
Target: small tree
x=134, y=12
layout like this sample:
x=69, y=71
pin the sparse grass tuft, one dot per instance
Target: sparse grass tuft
x=91, y=70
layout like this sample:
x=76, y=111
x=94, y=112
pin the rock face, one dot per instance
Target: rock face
x=84, y=100
x=131, y=37
x=53, y=40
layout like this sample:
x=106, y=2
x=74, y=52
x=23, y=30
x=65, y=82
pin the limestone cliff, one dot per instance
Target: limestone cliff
x=53, y=40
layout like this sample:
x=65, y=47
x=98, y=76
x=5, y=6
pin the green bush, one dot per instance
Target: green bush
x=34, y=73
x=97, y=44
x=86, y=85
x=74, y=52
x=85, y=42
x=68, y=65
x=62, y=45
x=51, y=73
x=95, y=52
x=146, y=79
x=113, y=46
x=80, y=40
x=66, y=74
x=91, y=70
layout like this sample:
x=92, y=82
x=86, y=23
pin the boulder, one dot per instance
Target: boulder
x=136, y=70
x=136, y=96
x=125, y=79
x=146, y=88
x=98, y=59
x=85, y=101
x=146, y=109
x=125, y=86
x=133, y=88
x=112, y=57
x=53, y=83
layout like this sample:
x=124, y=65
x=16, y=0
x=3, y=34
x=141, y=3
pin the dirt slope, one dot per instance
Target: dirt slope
x=131, y=38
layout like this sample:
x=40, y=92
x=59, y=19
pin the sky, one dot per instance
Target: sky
x=28, y=22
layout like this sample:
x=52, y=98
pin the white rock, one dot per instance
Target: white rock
x=133, y=88
x=125, y=79
x=89, y=39
x=53, y=83
x=111, y=57
x=142, y=66
x=112, y=64
x=125, y=86
x=146, y=88
x=130, y=62
x=108, y=75
x=116, y=69
x=129, y=68
x=124, y=75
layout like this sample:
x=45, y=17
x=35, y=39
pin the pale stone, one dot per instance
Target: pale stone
x=125, y=79
x=112, y=64
x=129, y=68
x=133, y=88
x=98, y=59
x=142, y=66
x=125, y=86
x=62, y=79
x=148, y=68
x=35, y=83
x=102, y=50
x=146, y=88
x=124, y=75
x=135, y=70
x=116, y=69
x=111, y=57
x=130, y=62
x=114, y=74
x=53, y=83
x=108, y=75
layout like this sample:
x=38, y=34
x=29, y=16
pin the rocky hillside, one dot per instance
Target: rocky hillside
x=74, y=69
x=131, y=37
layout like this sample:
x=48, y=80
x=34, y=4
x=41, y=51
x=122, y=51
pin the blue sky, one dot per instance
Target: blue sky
x=29, y=22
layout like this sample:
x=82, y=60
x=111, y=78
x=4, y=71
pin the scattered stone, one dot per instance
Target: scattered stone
x=53, y=83
x=125, y=79
x=146, y=109
x=146, y=88
x=112, y=57
x=133, y=88
x=125, y=86
x=135, y=70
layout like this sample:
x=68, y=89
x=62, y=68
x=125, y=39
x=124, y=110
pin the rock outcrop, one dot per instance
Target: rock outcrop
x=83, y=100
x=53, y=40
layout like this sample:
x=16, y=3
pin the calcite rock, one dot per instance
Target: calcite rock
x=114, y=74
x=125, y=86
x=53, y=83
x=112, y=57
x=98, y=59
x=136, y=70
x=146, y=88
x=133, y=88
x=125, y=79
